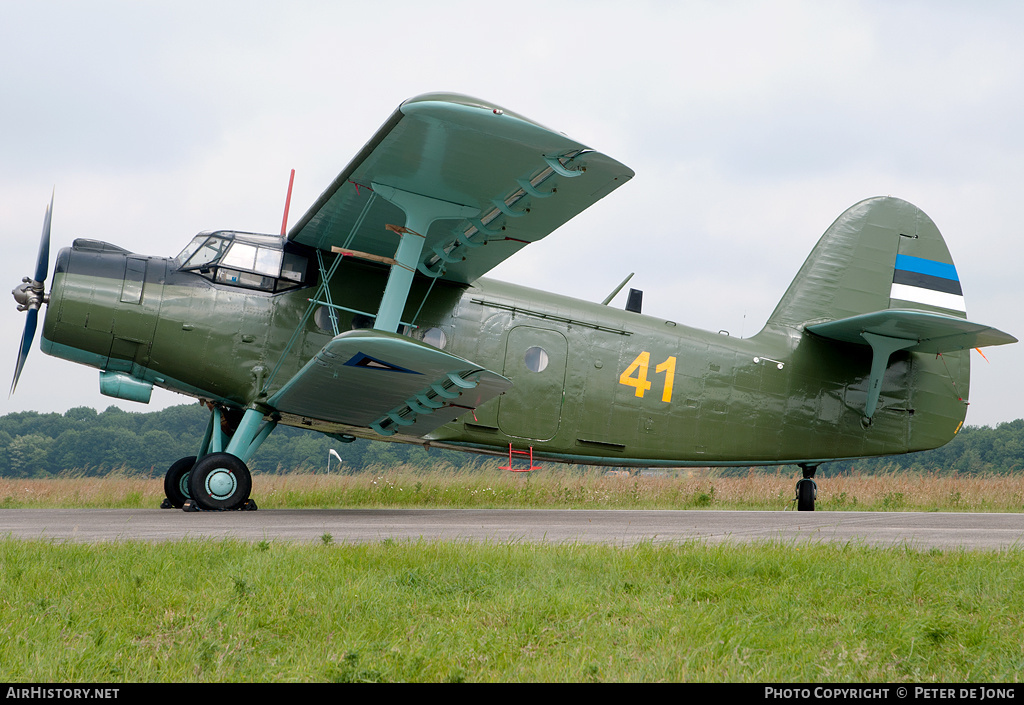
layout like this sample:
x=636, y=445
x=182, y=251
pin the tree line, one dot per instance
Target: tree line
x=975, y=450
x=86, y=441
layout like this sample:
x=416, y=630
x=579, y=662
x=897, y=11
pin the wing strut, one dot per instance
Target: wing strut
x=420, y=213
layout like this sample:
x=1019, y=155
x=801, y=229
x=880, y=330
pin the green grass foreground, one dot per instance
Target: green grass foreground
x=423, y=611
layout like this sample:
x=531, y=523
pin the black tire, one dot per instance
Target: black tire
x=220, y=481
x=806, y=491
x=176, y=481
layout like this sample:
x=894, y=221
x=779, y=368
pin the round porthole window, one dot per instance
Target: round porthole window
x=536, y=359
x=435, y=337
x=322, y=318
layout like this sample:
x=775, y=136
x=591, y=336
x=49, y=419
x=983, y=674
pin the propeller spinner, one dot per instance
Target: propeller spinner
x=31, y=295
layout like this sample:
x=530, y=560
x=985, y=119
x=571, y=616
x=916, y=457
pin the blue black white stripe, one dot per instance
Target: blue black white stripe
x=928, y=282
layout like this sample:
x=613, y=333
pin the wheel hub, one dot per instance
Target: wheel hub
x=221, y=483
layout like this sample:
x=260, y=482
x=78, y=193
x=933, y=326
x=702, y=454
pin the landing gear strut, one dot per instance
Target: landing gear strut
x=806, y=490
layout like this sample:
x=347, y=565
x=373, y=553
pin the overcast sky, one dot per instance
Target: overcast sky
x=751, y=126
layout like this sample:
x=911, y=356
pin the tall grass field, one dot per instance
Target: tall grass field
x=586, y=488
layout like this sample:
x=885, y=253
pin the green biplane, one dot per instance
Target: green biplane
x=372, y=318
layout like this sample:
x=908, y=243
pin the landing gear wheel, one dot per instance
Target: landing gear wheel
x=176, y=483
x=220, y=481
x=806, y=492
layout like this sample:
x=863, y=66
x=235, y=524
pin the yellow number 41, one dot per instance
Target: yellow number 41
x=636, y=375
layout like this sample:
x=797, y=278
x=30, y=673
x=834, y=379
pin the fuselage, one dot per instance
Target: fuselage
x=591, y=383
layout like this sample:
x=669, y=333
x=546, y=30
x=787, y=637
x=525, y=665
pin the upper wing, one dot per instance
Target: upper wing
x=522, y=179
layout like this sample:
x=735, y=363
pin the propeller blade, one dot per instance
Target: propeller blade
x=30, y=295
x=26, y=344
x=43, y=259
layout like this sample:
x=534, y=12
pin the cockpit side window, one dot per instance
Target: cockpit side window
x=241, y=255
x=294, y=267
x=268, y=261
x=249, y=280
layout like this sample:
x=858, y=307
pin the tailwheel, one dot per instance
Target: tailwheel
x=176, y=483
x=806, y=489
x=220, y=481
x=806, y=492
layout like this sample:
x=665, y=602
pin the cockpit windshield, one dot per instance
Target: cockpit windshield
x=203, y=250
x=264, y=262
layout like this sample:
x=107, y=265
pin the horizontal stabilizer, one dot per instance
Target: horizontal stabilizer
x=387, y=382
x=892, y=330
x=930, y=332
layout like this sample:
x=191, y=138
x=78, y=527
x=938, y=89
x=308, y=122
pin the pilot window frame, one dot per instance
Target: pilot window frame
x=247, y=260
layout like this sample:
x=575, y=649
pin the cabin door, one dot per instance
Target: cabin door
x=535, y=360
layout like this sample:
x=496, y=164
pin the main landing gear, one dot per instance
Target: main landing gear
x=218, y=479
x=806, y=490
x=176, y=483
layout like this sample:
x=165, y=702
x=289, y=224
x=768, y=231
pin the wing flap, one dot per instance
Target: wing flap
x=387, y=382
x=522, y=179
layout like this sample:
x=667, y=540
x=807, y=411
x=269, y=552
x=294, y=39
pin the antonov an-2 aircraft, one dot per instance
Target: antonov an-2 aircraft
x=372, y=319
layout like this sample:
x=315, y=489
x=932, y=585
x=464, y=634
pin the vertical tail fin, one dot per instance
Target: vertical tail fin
x=882, y=277
x=881, y=253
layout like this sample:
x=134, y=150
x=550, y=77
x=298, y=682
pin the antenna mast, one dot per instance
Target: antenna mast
x=287, y=204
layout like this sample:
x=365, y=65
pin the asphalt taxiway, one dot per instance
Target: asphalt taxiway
x=613, y=527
